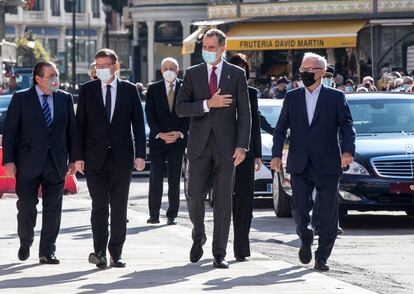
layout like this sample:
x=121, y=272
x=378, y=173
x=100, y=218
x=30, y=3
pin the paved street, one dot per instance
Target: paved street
x=374, y=253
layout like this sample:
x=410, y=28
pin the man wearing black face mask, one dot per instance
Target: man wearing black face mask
x=37, y=147
x=315, y=113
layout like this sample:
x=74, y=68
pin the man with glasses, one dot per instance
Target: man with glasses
x=106, y=152
x=38, y=133
x=316, y=115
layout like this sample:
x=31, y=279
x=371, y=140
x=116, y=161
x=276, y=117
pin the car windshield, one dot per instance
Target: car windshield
x=383, y=115
x=271, y=113
x=5, y=101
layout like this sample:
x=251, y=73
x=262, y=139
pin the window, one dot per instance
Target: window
x=85, y=50
x=55, y=7
x=95, y=8
x=52, y=47
x=80, y=6
x=35, y=5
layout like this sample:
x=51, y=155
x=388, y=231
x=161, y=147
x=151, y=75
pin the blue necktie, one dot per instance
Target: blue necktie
x=108, y=101
x=46, y=111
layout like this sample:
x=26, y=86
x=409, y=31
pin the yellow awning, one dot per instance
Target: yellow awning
x=190, y=41
x=294, y=35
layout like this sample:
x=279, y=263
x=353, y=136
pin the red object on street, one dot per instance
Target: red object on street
x=8, y=185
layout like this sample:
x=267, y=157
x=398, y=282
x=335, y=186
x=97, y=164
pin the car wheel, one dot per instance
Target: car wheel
x=281, y=200
x=409, y=212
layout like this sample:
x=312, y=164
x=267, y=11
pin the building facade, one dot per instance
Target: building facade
x=358, y=36
x=50, y=22
x=159, y=27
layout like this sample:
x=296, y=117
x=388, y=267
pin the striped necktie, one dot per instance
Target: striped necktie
x=47, y=114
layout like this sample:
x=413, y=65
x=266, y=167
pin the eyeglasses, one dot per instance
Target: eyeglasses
x=51, y=76
x=309, y=69
x=101, y=66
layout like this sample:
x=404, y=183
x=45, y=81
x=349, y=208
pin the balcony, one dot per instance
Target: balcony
x=289, y=8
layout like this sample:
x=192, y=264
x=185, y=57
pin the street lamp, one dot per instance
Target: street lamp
x=30, y=41
x=73, y=7
x=107, y=8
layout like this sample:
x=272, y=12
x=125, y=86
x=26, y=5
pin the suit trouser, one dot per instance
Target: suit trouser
x=109, y=186
x=302, y=203
x=173, y=154
x=243, y=207
x=208, y=171
x=27, y=192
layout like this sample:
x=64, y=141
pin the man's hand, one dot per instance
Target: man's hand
x=257, y=164
x=80, y=166
x=71, y=169
x=239, y=155
x=169, y=137
x=10, y=170
x=276, y=164
x=139, y=164
x=346, y=159
x=218, y=101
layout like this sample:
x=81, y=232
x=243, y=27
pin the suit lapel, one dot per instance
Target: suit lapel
x=57, y=108
x=163, y=95
x=302, y=105
x=34, y=101
x=117, y=99
x=224, y=77
x=204, y=82
x=99, y=99
x=319, y=104
x=177, y=88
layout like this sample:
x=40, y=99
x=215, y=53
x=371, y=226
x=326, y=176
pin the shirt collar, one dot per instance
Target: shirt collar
x=315, y=92
x=39, y=92
x=218, y=66
x=113, y=84
x=167, y=84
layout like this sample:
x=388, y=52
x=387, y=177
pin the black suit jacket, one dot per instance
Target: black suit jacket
x=318, y=142
x=231, y=125
x=26, y=138
x=255, y=150
x=96, y=134
x=159, y=117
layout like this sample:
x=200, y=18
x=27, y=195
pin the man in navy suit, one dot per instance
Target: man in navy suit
x=315, y=115
x=167, y=141
x=37, y=139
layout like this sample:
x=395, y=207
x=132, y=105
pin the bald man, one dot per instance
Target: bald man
x=167, y=141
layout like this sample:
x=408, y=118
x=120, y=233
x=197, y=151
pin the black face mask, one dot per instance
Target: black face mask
x=308, y=78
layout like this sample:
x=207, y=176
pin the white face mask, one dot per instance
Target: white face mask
x=104, y=74
x=169, y=76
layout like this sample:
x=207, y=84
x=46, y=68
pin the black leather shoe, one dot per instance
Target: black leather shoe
x=197, y=250
x=171, y=221
x=24, y=253
x=241, y=258
x=152, y=220
x=49, y=259
x=305, y=254
x=117, y=262
x=98, y=259
x=321, y=265
x=220, y=262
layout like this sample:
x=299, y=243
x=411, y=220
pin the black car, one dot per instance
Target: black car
x=382, y=174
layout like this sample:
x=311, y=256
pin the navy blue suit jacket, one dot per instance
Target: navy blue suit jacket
x=318, y=141
x=27, y=139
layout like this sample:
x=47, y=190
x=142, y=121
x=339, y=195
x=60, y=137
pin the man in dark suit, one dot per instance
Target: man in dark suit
x=214, y=94
x=316, y=115
x=37, y=140
x=107, y=110
x=167, y=141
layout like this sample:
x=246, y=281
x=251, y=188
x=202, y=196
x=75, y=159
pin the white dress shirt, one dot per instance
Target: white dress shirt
x=114, y=85
x=311, y=100
x=219, y=67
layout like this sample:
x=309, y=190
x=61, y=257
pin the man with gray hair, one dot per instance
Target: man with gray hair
x=316, y=116
x=167, y=141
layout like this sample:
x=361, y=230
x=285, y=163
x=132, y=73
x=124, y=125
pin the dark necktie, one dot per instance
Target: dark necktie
x=213, y=81
x=47, y=114
x=108, y=102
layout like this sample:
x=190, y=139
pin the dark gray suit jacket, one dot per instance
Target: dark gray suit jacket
x=231, y=125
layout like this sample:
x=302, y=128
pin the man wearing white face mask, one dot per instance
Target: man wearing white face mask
x=214, y=94
x=167, y=141
x=37, y=146
x=106, y=151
